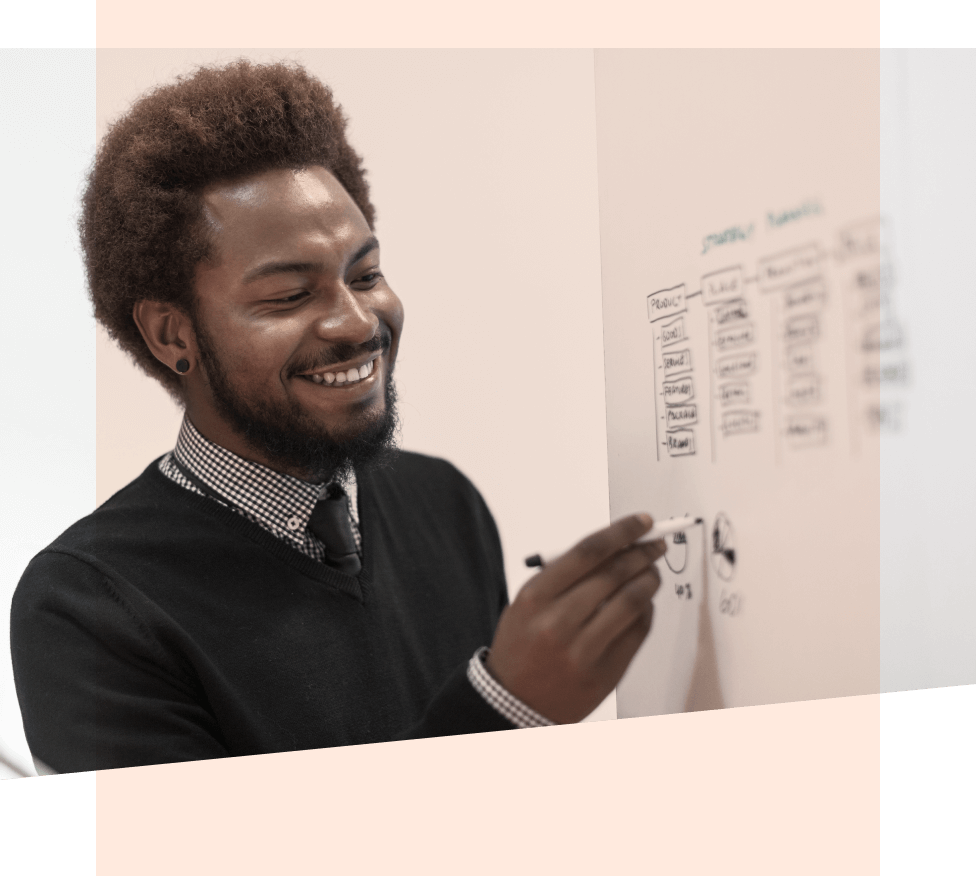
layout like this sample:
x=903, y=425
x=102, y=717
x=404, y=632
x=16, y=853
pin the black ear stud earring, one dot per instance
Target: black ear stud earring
x=182, y=366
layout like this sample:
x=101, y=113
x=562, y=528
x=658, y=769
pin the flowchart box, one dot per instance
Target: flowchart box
x=790, y=267
x=666, y=302
x=675, y=362
x=722, y=285
x=861, y=239
x=731, y=311
x=800, y=358
x=740, y=422
x=677, y=392
x=678, y=417
x=739, y=334
x=810, y=294
x=673, y=332
x=882, y=337
x=681, y=443
x=737, y=365
x=801, y=329
x=733, y=394
x=803, y=389
x=806, y=431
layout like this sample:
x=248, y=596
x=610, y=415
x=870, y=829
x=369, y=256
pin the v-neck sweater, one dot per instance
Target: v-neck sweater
x=165, y=627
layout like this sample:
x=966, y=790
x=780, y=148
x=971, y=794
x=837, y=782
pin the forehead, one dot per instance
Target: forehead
x=280, y=209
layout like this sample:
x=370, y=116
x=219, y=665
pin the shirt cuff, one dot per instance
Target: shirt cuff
x=509, y=707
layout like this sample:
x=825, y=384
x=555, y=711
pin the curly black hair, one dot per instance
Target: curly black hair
x=141, y=224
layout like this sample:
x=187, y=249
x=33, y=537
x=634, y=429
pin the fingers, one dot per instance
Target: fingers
x=579, y=603
x=581, y=559
x=625, y=607
x=621, y=651
x=566, y=639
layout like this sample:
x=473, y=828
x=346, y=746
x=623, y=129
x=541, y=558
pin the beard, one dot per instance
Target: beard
x=287, y=436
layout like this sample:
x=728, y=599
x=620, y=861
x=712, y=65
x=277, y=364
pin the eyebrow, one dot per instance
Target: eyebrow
x=271, y=269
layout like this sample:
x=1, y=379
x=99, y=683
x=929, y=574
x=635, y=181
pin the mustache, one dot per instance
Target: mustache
x=379, y=343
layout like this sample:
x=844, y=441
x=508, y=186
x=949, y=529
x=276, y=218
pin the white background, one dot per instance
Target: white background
x=48, y=439
x=928, y=607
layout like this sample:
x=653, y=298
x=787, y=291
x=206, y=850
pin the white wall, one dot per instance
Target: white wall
x=928, y=471
x=47, y=358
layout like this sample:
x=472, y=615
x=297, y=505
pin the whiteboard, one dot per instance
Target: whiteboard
x=928, y=125
x=747, y=340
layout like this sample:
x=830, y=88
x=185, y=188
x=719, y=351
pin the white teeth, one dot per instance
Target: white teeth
x=353, y=375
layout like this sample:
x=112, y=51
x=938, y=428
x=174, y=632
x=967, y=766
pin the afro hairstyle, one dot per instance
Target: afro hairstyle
x=141, y=226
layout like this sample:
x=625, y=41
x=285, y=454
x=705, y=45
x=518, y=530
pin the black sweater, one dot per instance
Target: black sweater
x=165, y=627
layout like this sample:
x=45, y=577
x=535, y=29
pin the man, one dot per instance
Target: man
x=285, y=579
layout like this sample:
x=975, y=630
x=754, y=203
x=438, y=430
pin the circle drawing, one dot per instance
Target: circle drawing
x=677, y=555
x=723, y=548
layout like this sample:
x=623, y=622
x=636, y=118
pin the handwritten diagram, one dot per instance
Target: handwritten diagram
x=777, y=317
x=677, y=412
x=753, y=363
x=888, y=338
x=733, y=350
x=723, y=548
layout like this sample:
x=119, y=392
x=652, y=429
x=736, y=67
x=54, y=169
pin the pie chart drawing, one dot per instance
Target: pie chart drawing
x=723, y=548
x=677, y=555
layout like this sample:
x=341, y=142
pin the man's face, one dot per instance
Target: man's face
x=297, y=328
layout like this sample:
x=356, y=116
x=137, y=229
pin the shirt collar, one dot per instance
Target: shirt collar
x=283, y=503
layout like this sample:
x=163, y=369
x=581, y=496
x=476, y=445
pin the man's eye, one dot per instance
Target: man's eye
x=371, y=277
x=291, y=298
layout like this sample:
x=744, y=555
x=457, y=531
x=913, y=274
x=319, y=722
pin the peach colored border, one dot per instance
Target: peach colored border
x=790, y=788
x=508, y=23
x=787, y=788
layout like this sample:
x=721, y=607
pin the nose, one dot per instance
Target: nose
x=344, y=318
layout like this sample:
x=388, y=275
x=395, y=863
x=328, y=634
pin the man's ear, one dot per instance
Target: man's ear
x=168, y=333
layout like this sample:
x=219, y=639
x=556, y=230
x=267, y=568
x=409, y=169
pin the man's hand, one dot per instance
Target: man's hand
x=569, y=635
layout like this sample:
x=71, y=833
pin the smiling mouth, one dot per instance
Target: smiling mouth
x=342, y=378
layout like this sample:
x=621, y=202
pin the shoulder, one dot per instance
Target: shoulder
x=59, y=583
x=66, y=594
x=150, y=492
x=410, y=465
x=425, y=477
x=94, y=573
x=428, y=482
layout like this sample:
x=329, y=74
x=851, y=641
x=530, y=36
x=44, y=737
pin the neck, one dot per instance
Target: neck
x=218, y=432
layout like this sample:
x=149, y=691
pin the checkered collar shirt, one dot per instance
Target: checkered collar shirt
x=283, y=505
x=277, y=502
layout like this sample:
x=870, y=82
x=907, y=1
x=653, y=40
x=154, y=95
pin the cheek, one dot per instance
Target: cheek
x=392, y=315
x=258, y=351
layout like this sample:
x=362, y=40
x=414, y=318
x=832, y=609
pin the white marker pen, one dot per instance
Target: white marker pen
x=658, y=530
